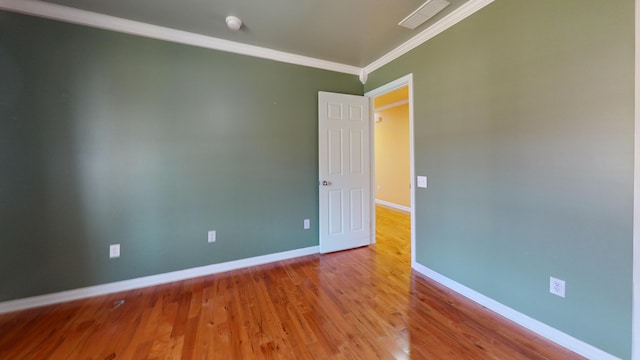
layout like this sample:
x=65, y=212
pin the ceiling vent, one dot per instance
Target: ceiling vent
x=423, y=13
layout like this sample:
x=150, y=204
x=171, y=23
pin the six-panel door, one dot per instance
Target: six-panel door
x=343, y=122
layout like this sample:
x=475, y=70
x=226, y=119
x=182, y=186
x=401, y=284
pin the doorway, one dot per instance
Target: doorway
x=392, y=160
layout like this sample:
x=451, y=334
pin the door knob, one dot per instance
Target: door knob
x=325, y=183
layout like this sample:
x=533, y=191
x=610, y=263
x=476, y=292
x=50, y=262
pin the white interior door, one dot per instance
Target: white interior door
x=345, y=198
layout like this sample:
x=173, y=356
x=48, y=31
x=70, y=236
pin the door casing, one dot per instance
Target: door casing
x=390, y=86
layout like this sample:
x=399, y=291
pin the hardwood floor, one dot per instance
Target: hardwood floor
x=359, y=304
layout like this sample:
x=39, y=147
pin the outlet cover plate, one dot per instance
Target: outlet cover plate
x=211, y=236
x=114, y=251
x=557, y=286
x=307, y=224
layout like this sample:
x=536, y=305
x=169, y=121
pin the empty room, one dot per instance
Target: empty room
x=210, y=179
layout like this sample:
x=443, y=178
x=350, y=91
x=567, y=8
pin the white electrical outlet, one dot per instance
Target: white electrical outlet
x=307, y=224
x=556, y=286
x=114, y=251
x=211, y=236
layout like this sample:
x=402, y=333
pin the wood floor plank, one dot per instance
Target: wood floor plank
x=364, y=303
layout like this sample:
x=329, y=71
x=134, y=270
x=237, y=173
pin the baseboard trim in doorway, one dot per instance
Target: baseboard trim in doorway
x=578, y=346
x=153, y=280
x=393, y=205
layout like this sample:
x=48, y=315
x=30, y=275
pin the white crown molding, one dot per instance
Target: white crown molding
x=392, y=105
x=553, y=334
x=363, y=76
x=429, y=33
x=101, y=21
x=107, y=22
x=81, y=293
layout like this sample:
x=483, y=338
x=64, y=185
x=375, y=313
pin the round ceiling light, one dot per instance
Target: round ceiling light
x=234, y=23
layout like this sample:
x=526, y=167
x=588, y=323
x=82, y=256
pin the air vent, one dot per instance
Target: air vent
x=423, y=13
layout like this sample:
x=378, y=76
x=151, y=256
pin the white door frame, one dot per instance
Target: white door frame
x=398, y=83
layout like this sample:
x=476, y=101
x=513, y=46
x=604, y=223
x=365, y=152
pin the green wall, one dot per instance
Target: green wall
x=523, y=123
x=524, y=126
x=110, y=138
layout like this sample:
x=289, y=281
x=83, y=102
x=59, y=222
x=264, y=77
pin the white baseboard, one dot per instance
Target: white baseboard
x=393, y=205
x=557, y=336
x=76, y=294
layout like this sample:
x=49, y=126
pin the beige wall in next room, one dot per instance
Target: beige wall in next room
x=392, y=151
